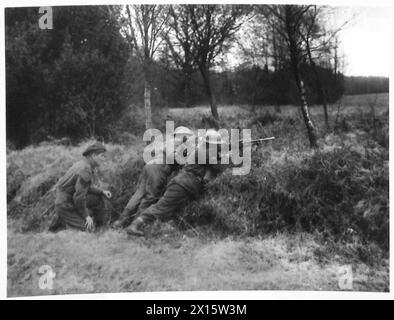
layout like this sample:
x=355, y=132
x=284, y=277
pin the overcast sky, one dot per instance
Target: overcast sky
x=366, y=40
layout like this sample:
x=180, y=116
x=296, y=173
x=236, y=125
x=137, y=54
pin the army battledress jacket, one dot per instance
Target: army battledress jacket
x=187, y=185
x=150, y=187
x=72, y=194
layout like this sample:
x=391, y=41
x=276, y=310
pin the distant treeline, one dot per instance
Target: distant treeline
x=360, y=85
x=79, y=79
x=246, y=85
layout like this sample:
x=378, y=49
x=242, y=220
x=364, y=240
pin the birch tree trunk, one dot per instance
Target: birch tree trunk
x=319, y=84
x=305, y=113
x=147, y=105
x=188, y=86
x=211, y=96
x=147, y=97
x=294, y=57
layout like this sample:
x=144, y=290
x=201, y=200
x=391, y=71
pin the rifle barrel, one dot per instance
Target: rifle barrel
x=258, y=140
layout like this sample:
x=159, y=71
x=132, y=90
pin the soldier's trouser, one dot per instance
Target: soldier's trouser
x=136, y=198
x=56, y=223
x=144, y=196
x=71, y=218
x=174, y=198
x=95, y=204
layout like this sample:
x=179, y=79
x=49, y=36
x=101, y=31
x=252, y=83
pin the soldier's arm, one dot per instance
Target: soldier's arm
x=79, y=197
x=95, y=190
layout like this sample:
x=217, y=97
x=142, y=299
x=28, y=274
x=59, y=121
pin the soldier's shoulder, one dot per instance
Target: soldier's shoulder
x=83, y=169
x=155, y=163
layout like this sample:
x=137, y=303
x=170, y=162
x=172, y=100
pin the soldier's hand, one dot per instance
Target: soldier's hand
x=108, y=194
x=89, y=223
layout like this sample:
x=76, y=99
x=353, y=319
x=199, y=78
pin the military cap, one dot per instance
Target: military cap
x=96, y=147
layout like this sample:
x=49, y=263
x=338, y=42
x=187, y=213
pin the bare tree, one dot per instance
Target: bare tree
x=212, y=25
x=311, y=30
x=182, y=49
x=143, y=26
x=261, y=46
x=319, y=42
x=286, y=20
x=253, y=50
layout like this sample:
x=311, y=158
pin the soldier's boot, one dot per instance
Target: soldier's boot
x=56, y=224
x=135, y=228
x=124, y=217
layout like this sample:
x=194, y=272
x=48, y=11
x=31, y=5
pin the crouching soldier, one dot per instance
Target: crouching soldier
x=150, y=188
x=78, y=204
x=183, y=188
x=152, y=182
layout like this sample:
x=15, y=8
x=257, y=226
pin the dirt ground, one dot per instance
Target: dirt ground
x=113, y=262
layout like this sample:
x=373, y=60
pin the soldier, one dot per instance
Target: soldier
x=152, y=182
x=78, y=204
x=184, y=187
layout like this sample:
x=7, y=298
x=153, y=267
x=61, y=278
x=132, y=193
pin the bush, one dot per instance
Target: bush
x=266, y=118
x=376, y=127
x=131, y=123
x=340, y=194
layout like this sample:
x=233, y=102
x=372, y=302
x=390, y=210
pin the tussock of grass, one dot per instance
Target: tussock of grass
x=340, y=195
x=266, y=118
x=32, y=204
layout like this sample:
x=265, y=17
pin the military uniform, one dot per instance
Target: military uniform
x=185, y=186
x=76, y=198
x=150, y=188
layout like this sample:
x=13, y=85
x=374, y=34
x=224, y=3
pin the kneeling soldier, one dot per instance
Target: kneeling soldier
x=183, y=188
x=152, y=182
x=75, y=193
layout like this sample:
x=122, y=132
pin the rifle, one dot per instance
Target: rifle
x=257, y=141
x=253, y=142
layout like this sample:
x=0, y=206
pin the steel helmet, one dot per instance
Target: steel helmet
x=213, y=137
x=183, y=131
x=181, y=134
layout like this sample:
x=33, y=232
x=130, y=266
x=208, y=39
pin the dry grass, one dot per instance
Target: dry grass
x=110, y=262
x=330, y=207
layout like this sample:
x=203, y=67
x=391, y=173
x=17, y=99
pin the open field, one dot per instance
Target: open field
x=352, y=103
x=289, y=225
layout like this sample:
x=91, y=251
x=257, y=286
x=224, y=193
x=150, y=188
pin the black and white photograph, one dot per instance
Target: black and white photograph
x=196, y=147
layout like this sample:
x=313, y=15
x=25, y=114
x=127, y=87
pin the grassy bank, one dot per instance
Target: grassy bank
x=333, y=201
